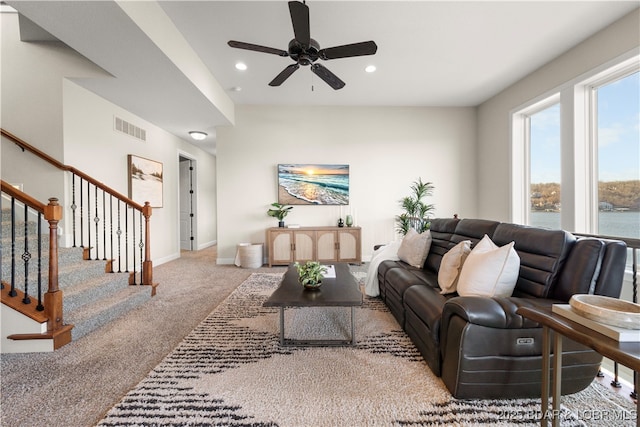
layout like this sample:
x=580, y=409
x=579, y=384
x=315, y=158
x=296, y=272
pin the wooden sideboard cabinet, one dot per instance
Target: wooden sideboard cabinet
x=323, y=244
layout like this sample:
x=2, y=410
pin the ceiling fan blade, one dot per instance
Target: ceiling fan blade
x=257, y=48
x=349, y=50
x=300, y=20
x=326, y=75
x=284, y=75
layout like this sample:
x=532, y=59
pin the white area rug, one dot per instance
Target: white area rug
x=232, y=371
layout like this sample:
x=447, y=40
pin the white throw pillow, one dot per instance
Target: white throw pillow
x=415, y=248
x=489, y=270
x=451, y=265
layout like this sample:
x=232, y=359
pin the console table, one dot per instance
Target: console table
x=323, y=244
x=625, y=353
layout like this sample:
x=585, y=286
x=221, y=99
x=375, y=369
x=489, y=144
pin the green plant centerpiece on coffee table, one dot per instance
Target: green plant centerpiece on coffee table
x=310, y=274
x=416, y=213
x=279, y=211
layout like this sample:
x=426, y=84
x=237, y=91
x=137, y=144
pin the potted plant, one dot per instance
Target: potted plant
x=279, y=211
x=310, y=274
x=416, y=213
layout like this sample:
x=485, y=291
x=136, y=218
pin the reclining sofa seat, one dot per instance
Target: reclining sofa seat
x=478, y=345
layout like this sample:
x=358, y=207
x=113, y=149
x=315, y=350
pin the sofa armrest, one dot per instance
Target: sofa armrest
x=492, y=312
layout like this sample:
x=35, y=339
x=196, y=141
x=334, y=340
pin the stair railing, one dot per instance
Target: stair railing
x=104, y=222
x=51, y=304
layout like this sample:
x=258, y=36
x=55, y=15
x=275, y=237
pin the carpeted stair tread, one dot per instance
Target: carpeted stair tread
x=90, y=317
x=94, y=289
x=70, y=273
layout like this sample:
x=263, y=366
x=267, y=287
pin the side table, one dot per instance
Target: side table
x=625, y=353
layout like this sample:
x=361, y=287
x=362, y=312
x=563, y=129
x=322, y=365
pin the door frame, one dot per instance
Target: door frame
x=194, y=201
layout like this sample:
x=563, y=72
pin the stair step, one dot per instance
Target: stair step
x=93, y=290
x=90, y=317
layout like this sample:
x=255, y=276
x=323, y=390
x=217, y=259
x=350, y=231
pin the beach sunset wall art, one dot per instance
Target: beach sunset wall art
x=313, y=184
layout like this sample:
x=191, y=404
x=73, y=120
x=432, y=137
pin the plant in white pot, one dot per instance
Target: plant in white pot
x=310, y=274
x=279, y=211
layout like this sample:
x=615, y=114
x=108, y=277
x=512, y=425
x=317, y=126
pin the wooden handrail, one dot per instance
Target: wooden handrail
x=44, y=156
x=146, y=210
x=22, y=197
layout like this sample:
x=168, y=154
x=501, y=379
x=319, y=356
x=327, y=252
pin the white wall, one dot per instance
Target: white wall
x=92, y=145
x=494, y=115
x=31, y=88
x=75, y=126
x=387, y=150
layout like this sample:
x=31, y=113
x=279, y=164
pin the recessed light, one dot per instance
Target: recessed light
x=370, y=68
x=236, y=89
x=197, y=135
x=241, y=66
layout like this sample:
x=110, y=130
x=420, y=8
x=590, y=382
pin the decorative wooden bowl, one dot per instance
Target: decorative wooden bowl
x=611, y=311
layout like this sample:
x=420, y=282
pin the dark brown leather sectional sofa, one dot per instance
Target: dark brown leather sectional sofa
x=479, y=346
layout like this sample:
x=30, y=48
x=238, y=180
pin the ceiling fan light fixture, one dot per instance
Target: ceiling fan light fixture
x=305, y=51
x=370, y=68
x=197, y=135
x=241, y=66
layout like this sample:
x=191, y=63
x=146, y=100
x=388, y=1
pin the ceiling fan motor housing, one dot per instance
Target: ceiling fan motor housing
x=304, y=55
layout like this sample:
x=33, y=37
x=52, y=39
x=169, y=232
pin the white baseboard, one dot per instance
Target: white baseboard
x=166, y=259
x=207, y=245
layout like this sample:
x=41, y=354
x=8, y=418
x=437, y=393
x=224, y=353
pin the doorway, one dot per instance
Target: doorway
x=188, y=203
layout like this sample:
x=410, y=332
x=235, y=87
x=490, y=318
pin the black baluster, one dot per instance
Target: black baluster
x=111, y=229
x=104, y=227
x=26, y=256
x=73, y=207
x=89, y=218
x=40, y=306
x=12, y=291
x=133, y=244
x=119, y=233
x=126, y=240
x=81, y=215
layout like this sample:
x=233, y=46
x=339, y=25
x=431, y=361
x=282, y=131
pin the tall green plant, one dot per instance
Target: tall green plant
x=416, y=212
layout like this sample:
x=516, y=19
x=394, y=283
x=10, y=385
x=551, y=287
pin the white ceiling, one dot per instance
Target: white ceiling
x=430, y=53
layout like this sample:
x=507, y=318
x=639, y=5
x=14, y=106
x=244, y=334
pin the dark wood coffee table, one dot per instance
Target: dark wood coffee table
x=341, y=291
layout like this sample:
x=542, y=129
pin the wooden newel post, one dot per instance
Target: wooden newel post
x=53, y=296
x=147, y=265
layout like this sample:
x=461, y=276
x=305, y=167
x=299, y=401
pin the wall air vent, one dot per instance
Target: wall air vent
x=130, y=129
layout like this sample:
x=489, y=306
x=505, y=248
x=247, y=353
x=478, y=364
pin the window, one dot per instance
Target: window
x=544, y=167
x=617, y=138
x=576, y=154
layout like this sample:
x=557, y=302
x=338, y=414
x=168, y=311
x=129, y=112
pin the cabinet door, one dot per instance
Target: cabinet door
x=304, y=246
x=326, y=245
x=349, y=246
x=281, y=248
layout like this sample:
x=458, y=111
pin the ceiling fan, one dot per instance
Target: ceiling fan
x=306, y=51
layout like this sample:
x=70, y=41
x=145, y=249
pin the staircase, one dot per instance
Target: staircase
x=92, y=297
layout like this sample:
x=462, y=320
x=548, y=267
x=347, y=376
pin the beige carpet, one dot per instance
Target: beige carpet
x=77, y=384
x=232, y=371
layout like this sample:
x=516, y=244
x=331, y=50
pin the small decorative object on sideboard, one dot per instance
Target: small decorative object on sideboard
x=279, y=211
x=611, y=311
x=340, y=223
x=310, y=274
x=349, y=221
